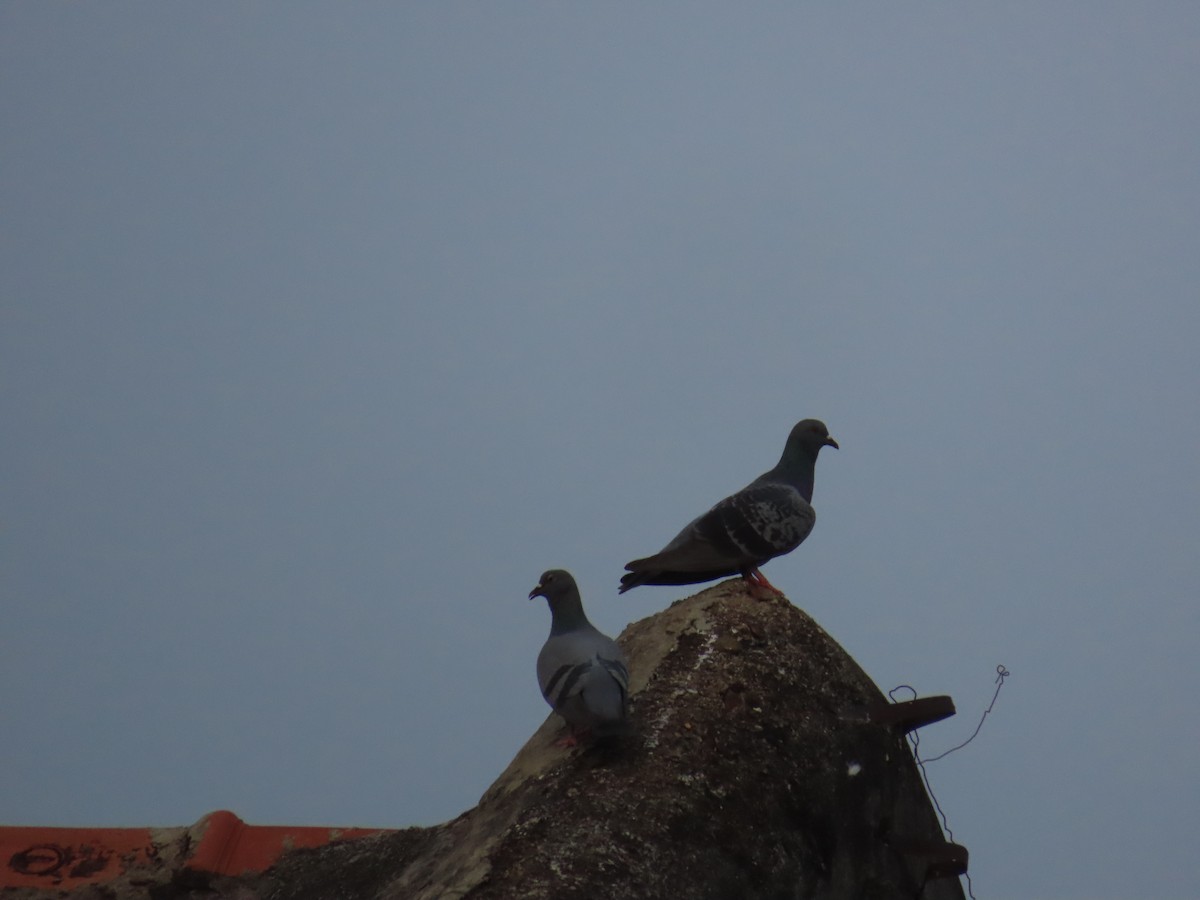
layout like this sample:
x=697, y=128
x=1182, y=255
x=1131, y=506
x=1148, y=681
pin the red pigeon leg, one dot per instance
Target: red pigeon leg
x=759, y=586
x=571, y=739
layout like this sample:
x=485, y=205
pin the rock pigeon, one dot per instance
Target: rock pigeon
x=769, y=517
x=582, y=673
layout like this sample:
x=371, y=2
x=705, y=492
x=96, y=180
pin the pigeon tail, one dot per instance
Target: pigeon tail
x=611, y=737
x=634, y=579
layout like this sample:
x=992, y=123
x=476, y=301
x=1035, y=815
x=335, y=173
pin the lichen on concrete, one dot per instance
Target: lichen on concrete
x=753, y=772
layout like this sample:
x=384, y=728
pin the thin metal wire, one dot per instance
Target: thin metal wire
x=1001, y=674
x=915, y=737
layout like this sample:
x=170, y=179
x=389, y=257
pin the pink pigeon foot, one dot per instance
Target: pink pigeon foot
x=760, y=588
x=571, y=739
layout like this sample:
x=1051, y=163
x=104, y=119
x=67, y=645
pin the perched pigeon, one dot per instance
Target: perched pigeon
x=767, y=518
x=582, y=673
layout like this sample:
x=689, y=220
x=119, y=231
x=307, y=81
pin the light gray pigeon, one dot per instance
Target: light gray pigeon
x=769, y=517
x=582, y=673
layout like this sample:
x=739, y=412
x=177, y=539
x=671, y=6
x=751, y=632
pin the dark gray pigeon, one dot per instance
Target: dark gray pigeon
x=769, y=517
x=582, y=673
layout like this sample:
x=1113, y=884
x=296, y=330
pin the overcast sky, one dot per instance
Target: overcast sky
x=326, y=328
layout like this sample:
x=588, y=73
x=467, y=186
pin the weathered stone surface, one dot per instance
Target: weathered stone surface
x=753, y=773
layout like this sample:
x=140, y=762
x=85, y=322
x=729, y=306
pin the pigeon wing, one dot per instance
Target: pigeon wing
x=746, y=529
x=584, y=677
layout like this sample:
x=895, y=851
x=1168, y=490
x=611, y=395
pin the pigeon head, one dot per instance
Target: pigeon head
x=561, y=593
x=799, y=457
x=806, y=440
x=554, y=585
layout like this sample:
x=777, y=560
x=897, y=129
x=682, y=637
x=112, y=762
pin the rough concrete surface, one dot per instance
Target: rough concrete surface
x=753, y=772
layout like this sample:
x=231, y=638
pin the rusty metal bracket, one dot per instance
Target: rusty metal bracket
x=909, y=715
x=942, y=859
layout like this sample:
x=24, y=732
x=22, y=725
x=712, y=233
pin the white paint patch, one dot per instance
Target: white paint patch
x=664, y=717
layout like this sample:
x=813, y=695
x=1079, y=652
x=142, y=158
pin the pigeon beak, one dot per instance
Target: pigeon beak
x=830, y=442
x=536, y=592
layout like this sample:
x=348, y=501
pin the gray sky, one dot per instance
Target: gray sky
x=327, y=328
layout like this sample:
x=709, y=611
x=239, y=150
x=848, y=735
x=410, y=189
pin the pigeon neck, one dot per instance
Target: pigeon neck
x=800, y=473
x=566, y=614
